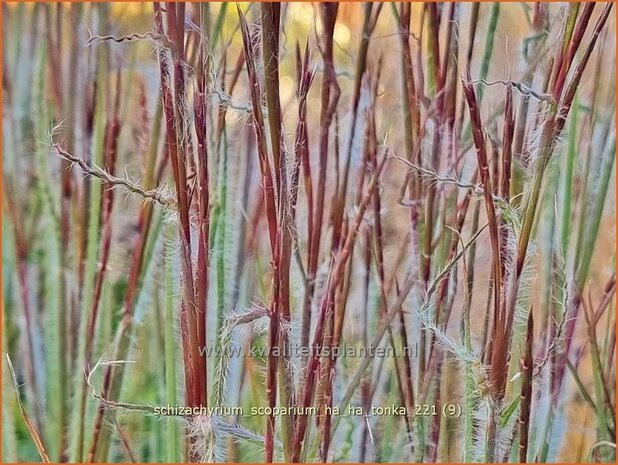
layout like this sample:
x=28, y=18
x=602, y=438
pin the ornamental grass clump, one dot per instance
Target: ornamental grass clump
x=293, y=232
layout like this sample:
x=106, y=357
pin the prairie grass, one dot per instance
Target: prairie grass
x=315, y=209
